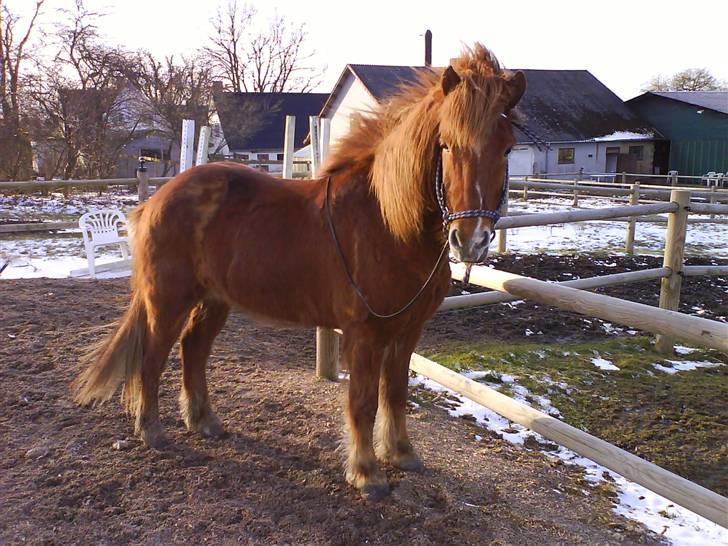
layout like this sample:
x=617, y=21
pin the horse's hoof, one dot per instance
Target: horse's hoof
x=409, y=462
x=153, y=438
x=375, y=492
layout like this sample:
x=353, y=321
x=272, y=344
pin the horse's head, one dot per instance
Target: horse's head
x=476, y=136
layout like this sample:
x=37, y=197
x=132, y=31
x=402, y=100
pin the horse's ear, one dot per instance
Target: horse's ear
x=516, y=87
x=449, y=80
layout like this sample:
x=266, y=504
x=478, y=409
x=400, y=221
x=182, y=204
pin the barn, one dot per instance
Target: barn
x=581, y=123
x=696, y=122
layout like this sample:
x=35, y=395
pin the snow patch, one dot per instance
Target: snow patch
x=685, y=366
x=624, y=135
x=604, y=364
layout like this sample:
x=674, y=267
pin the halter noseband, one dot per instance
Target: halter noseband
x=449, y=217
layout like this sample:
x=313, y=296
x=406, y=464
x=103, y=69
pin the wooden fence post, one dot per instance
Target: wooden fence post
x=327, y=341
x=187, y=147
x=501, y=234
x=634, y=199
x=203, y=145
x=289, y=147
x=142, y=176
x=525, y=188
x=575, y=203
x=677, y=224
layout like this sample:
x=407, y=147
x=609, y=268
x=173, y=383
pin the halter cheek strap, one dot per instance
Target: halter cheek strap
x=449, y=217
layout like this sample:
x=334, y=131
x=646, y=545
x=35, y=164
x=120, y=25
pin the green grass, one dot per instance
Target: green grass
x=677, y=421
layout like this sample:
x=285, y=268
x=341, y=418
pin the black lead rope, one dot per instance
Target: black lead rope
x=410, y=303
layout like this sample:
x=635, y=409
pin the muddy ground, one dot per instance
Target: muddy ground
x=277, y=477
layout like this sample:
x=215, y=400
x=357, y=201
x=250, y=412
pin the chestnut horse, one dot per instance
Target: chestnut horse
x=362, y=249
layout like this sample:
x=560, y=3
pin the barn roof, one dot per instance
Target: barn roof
x=713, y=100
x=257, y=120
x=559, y=105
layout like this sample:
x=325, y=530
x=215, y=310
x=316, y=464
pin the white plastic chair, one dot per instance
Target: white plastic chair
x=101, y=228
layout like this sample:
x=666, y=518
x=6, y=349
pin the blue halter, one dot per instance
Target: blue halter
x=449, y=217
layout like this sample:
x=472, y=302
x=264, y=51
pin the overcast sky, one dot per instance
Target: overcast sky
x=623, y=43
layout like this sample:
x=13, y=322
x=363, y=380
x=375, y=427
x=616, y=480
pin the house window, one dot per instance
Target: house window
x=636, y=152
x=280, y=157
x=150, y=154
x=566, y=156
x=612, y=150
x=243, y=157
x=264, y=157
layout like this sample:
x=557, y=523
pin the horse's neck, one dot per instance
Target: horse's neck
x=355, y=197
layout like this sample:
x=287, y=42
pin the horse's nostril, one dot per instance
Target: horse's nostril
x=455, y=241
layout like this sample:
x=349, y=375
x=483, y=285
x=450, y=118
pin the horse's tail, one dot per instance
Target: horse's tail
x=117, y=358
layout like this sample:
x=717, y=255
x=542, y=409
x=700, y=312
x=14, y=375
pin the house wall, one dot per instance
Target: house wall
x=698, y=142
x=352, y=98
x=591, y=157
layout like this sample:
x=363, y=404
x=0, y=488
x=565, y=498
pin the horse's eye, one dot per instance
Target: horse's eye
x=445, y=147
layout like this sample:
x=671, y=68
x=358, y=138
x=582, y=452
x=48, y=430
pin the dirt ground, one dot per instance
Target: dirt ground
x=277, y=477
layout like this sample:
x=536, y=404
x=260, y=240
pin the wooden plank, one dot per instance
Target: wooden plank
x=589, y=283
x=583, y=215
x=690, y=495
x=677, y=226
x=36, y=226
x=703, y=332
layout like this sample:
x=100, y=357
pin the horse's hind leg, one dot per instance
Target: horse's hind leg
x=203, y=325
x=392, y=442
x=166, y=313
x=364, y=357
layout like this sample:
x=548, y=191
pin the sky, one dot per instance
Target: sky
x=623, y=43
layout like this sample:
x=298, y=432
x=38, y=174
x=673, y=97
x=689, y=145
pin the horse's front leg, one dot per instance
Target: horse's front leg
x=364, y=356
x=392, y=442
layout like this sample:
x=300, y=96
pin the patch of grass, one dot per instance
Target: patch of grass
x=677, y=421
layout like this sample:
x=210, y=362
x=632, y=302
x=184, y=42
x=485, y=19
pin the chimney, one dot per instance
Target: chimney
x=216, y=88
x=428, y=48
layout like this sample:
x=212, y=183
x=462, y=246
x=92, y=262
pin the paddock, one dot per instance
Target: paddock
x=698, y=499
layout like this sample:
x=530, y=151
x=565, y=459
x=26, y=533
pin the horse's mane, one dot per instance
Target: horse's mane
x=395, y=144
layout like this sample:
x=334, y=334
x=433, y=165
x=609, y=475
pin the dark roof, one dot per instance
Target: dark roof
x=559, y=105
x=383, y=81
x=257, y=120
x=572, y=105
x=713, y=100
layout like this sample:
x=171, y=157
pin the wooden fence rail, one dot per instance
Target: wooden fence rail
x=589, y=283
x=692, y=496
x=703, y=332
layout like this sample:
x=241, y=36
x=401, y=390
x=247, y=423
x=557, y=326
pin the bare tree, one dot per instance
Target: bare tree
x=86, y=111
x=690, y=79
x=169, y=92
x=16, y=159
x=275, y=60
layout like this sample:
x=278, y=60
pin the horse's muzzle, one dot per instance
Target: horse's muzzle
x=469, y=250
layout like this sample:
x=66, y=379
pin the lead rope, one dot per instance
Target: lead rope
x=332, y=229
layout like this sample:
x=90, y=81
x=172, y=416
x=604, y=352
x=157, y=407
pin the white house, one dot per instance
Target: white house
x=579, y=123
